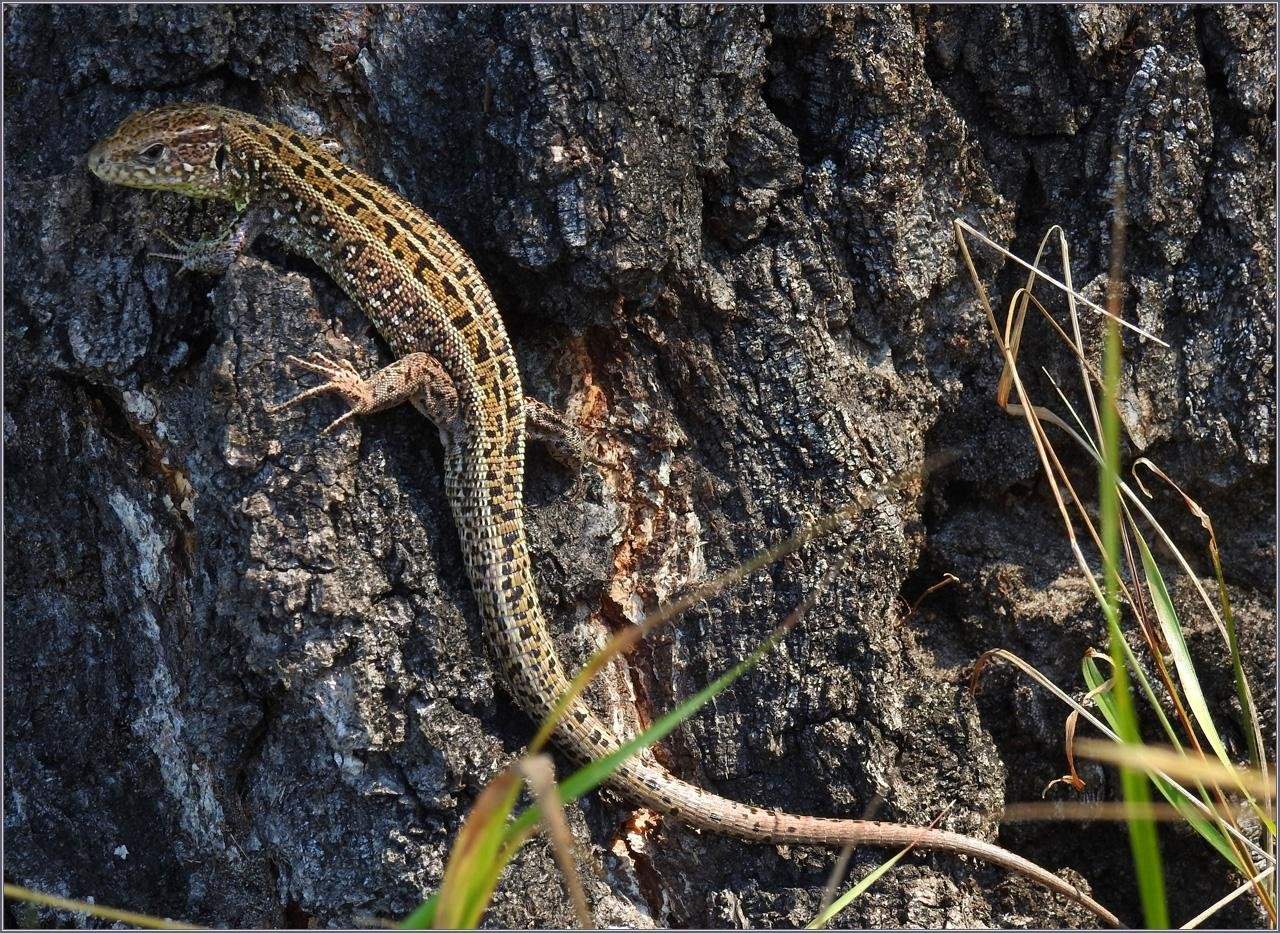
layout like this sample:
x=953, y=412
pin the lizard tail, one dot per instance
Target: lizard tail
x=660, y=790
x=533, y=673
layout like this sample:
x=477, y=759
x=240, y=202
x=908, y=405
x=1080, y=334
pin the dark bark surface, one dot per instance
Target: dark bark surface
x=243, y=679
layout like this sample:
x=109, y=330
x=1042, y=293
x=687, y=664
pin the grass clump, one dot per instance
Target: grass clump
x=1217, y=797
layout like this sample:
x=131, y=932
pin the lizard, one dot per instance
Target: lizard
x=455, y=364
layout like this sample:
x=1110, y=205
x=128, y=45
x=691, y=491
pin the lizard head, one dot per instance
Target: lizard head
x=180, y=148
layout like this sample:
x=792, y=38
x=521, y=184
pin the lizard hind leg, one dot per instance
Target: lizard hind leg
x=418, y=378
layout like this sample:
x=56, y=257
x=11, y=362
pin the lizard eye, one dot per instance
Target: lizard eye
x=152, y=153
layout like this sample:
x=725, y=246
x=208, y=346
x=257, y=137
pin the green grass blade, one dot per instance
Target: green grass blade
x=848, y=897
x=1149, y=692
x=472, y=872
x=1094, y=680
x=422, y=917
x=1175, y=796
x=1143, y=840
x=1199, y=823
x=594, y=773
x=1248, y=712
x=1249, y=725
x=1172, y=629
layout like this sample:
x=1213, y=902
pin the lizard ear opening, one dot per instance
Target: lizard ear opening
x=220, y=159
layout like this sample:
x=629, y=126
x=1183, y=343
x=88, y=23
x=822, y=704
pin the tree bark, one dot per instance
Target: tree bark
x=244, y=683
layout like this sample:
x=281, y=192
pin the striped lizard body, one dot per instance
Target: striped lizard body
x=455, y=363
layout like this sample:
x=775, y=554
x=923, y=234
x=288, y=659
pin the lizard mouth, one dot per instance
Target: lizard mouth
x=97, y=160
x=130, y=172
x=113, y=171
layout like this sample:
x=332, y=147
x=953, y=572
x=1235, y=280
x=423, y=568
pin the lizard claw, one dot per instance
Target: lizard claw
x=333, y=425
x=181, y=256
x=322, y=365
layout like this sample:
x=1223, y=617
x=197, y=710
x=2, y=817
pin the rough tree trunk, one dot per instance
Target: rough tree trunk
x=243, y=679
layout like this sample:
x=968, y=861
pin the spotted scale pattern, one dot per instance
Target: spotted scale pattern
x=425, y=295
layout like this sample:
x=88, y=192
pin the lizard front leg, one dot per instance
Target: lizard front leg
x=417, y=378
x=215, y=254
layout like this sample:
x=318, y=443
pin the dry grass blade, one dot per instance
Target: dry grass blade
x=1091, y=811
x=1069, y=744
x=540, y=774
x=1191, y=799
x=1223, y=902
x=1072, y=777
x=1173, y=762
x=947, y=580
x=1040, y=273
x=19, y=893
x=1007, y=340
